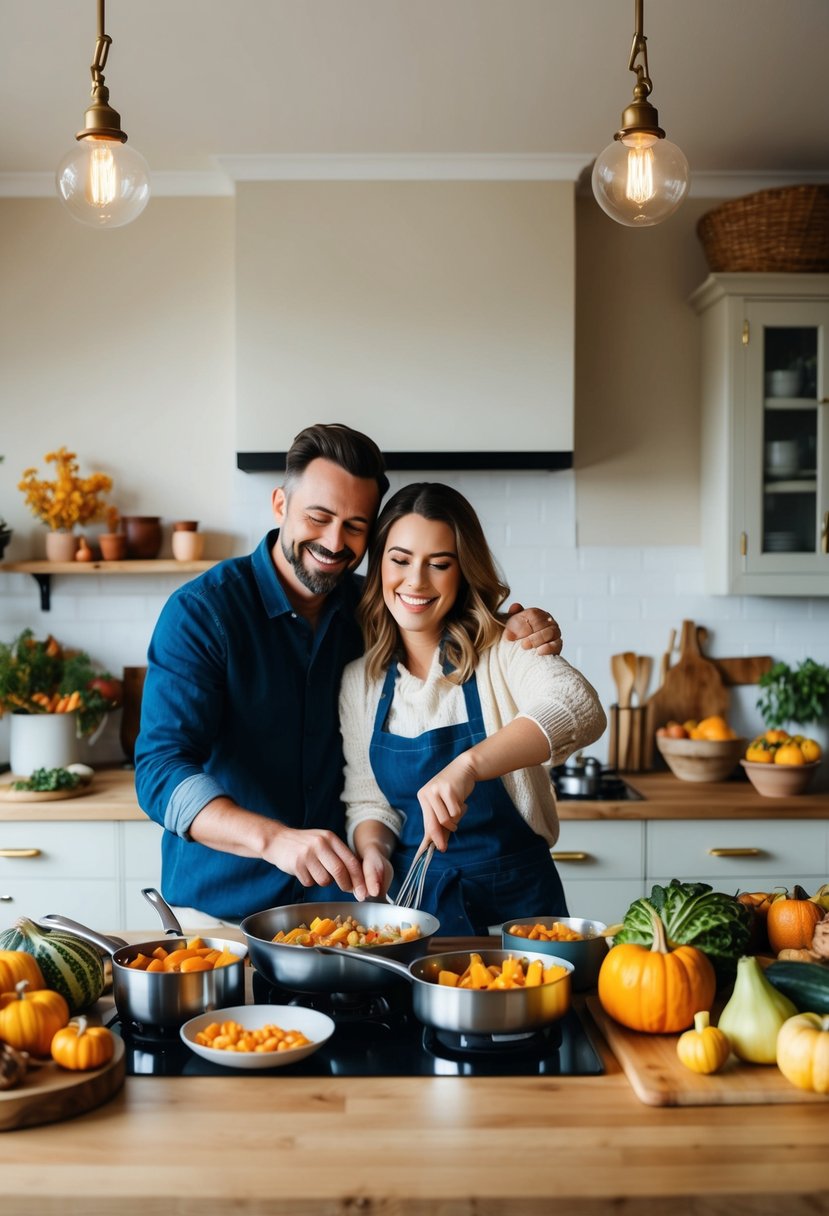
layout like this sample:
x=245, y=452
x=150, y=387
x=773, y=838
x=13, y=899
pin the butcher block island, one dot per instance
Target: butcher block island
x=391, y=1146
x=293, y=1143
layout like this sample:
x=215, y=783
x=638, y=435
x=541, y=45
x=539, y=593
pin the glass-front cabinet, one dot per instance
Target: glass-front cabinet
x=765, y=433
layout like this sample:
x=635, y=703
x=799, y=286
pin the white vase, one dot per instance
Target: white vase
x=42, y=741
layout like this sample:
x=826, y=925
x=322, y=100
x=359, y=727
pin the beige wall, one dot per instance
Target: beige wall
x=119, y=346
x=437, y=316
x=637, y=379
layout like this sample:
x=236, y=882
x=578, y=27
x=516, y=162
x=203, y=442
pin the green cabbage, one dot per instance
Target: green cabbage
x=694, y=914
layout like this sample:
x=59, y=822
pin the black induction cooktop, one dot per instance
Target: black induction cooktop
x=379, y=1036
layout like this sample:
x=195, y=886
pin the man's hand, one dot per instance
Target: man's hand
x=377, y=872
x=534, y=628
x=316, y=857
x=443, y=800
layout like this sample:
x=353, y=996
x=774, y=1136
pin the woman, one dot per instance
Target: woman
x=440, y=709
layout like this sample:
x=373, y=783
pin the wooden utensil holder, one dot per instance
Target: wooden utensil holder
x=626, y=750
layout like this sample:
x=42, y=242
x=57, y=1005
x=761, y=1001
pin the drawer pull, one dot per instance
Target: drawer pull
x=570, y=856
x=19, y=852
x=6, y=899
x=747, y=852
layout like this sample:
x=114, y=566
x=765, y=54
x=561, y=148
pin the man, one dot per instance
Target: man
x=239, y=755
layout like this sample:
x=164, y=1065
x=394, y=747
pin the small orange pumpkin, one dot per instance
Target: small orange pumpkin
x=29, y=1020
x=791, y=920
x=18, y=965
x=82, y=1047
x=656, y=990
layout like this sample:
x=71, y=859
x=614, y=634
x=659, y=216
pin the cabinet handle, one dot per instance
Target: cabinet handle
x=6, y=899
x=19, y=852
x=824, y=533
x=570, y=856
x=747, y=852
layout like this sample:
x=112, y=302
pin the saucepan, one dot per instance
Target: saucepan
x=310, y=970
x=158, y=998
x=471, y=1011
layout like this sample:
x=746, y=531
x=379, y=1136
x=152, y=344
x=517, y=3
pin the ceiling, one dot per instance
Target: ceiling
x=739, y=84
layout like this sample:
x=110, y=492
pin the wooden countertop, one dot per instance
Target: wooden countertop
x=282, y=1146
x=112, y=797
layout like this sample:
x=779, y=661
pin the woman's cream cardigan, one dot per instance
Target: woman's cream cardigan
x=512, y=682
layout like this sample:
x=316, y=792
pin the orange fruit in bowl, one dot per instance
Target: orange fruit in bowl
x=811, y=750
x=776, y=736
x=789, y=753
x=714, y=728
x=759, y=752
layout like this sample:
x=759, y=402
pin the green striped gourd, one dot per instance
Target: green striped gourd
x=70, y=966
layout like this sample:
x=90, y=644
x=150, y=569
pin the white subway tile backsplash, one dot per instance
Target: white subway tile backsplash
x=605, y=599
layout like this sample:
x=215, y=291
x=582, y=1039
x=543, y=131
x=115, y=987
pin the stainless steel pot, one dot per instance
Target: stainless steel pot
x=466, y=1011
x=157, y=998
x=309, y=970
x=581, y=775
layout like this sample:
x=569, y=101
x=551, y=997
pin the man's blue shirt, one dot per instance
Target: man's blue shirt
x=240, y=700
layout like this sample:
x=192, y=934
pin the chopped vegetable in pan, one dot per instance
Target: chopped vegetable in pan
x=336, y=931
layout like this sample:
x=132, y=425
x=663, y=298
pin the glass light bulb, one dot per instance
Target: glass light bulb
x=104, y=183
x=640, y=180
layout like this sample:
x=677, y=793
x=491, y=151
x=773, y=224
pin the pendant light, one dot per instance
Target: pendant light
x=102, y=182
x=641, y=178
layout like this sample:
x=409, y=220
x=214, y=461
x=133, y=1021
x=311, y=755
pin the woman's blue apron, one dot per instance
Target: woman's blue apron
x=496, y=867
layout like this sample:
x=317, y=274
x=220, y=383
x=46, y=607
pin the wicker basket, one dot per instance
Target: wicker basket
x=785, y=229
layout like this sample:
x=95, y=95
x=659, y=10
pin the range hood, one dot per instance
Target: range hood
x=274, y=462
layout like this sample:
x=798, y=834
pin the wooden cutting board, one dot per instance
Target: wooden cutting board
x=50, y=1093
x=692, y=688
x=651, y=1065
x=9, y=794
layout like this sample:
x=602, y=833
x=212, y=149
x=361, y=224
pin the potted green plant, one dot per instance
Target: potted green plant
x=796, y=699
x=55, y=696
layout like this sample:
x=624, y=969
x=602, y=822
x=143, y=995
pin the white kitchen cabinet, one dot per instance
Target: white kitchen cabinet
x=602, y=866
x=738, y=854
x=141, y=844
x=70, y=868
x=765, y=433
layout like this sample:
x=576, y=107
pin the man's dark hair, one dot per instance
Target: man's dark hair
x=334, y=441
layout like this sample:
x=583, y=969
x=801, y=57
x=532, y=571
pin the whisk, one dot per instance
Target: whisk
x=411, y=889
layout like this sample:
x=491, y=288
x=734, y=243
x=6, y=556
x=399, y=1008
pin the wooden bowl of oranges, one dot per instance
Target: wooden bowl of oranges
x=780, y=765
x=705, y=750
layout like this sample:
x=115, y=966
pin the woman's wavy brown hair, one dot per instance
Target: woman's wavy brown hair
x=472, y=623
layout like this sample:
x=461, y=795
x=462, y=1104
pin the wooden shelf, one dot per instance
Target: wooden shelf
x=42, y=570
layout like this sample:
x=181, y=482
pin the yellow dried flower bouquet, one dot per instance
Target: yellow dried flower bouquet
x=69, y=499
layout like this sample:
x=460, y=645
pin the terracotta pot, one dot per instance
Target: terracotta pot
x=187, y=546
x=143, y=535
x=113, y=546
x=61, y=546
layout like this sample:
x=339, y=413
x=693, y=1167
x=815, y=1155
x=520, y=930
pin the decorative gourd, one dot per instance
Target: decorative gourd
x=69, y=966
x=18, y=965
x=705, y=1048
x=29, y=1020
x=82, y=1047
x=754, y=1013
x=13, y=1066
x=791, y=920
x=656, y=990
x=803, y=1052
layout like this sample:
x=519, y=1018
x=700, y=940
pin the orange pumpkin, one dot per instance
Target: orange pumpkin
x=82, y=1047
x=791, y=920
x=656, y=990
x=29, y=1020
x=17, y=965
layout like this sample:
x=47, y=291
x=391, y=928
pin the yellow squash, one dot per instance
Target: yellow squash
x=803, y=1051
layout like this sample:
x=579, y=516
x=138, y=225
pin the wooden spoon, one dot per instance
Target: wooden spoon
x=623, y=667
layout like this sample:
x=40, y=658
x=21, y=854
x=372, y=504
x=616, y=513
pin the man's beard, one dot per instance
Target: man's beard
x=316, y=581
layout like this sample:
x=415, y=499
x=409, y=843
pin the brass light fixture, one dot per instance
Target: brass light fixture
x=641, y=178
x=102, y=182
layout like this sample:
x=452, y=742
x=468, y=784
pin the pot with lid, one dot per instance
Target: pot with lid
x=580, y=775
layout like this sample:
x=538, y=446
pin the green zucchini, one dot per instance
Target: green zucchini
x=806, y=984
